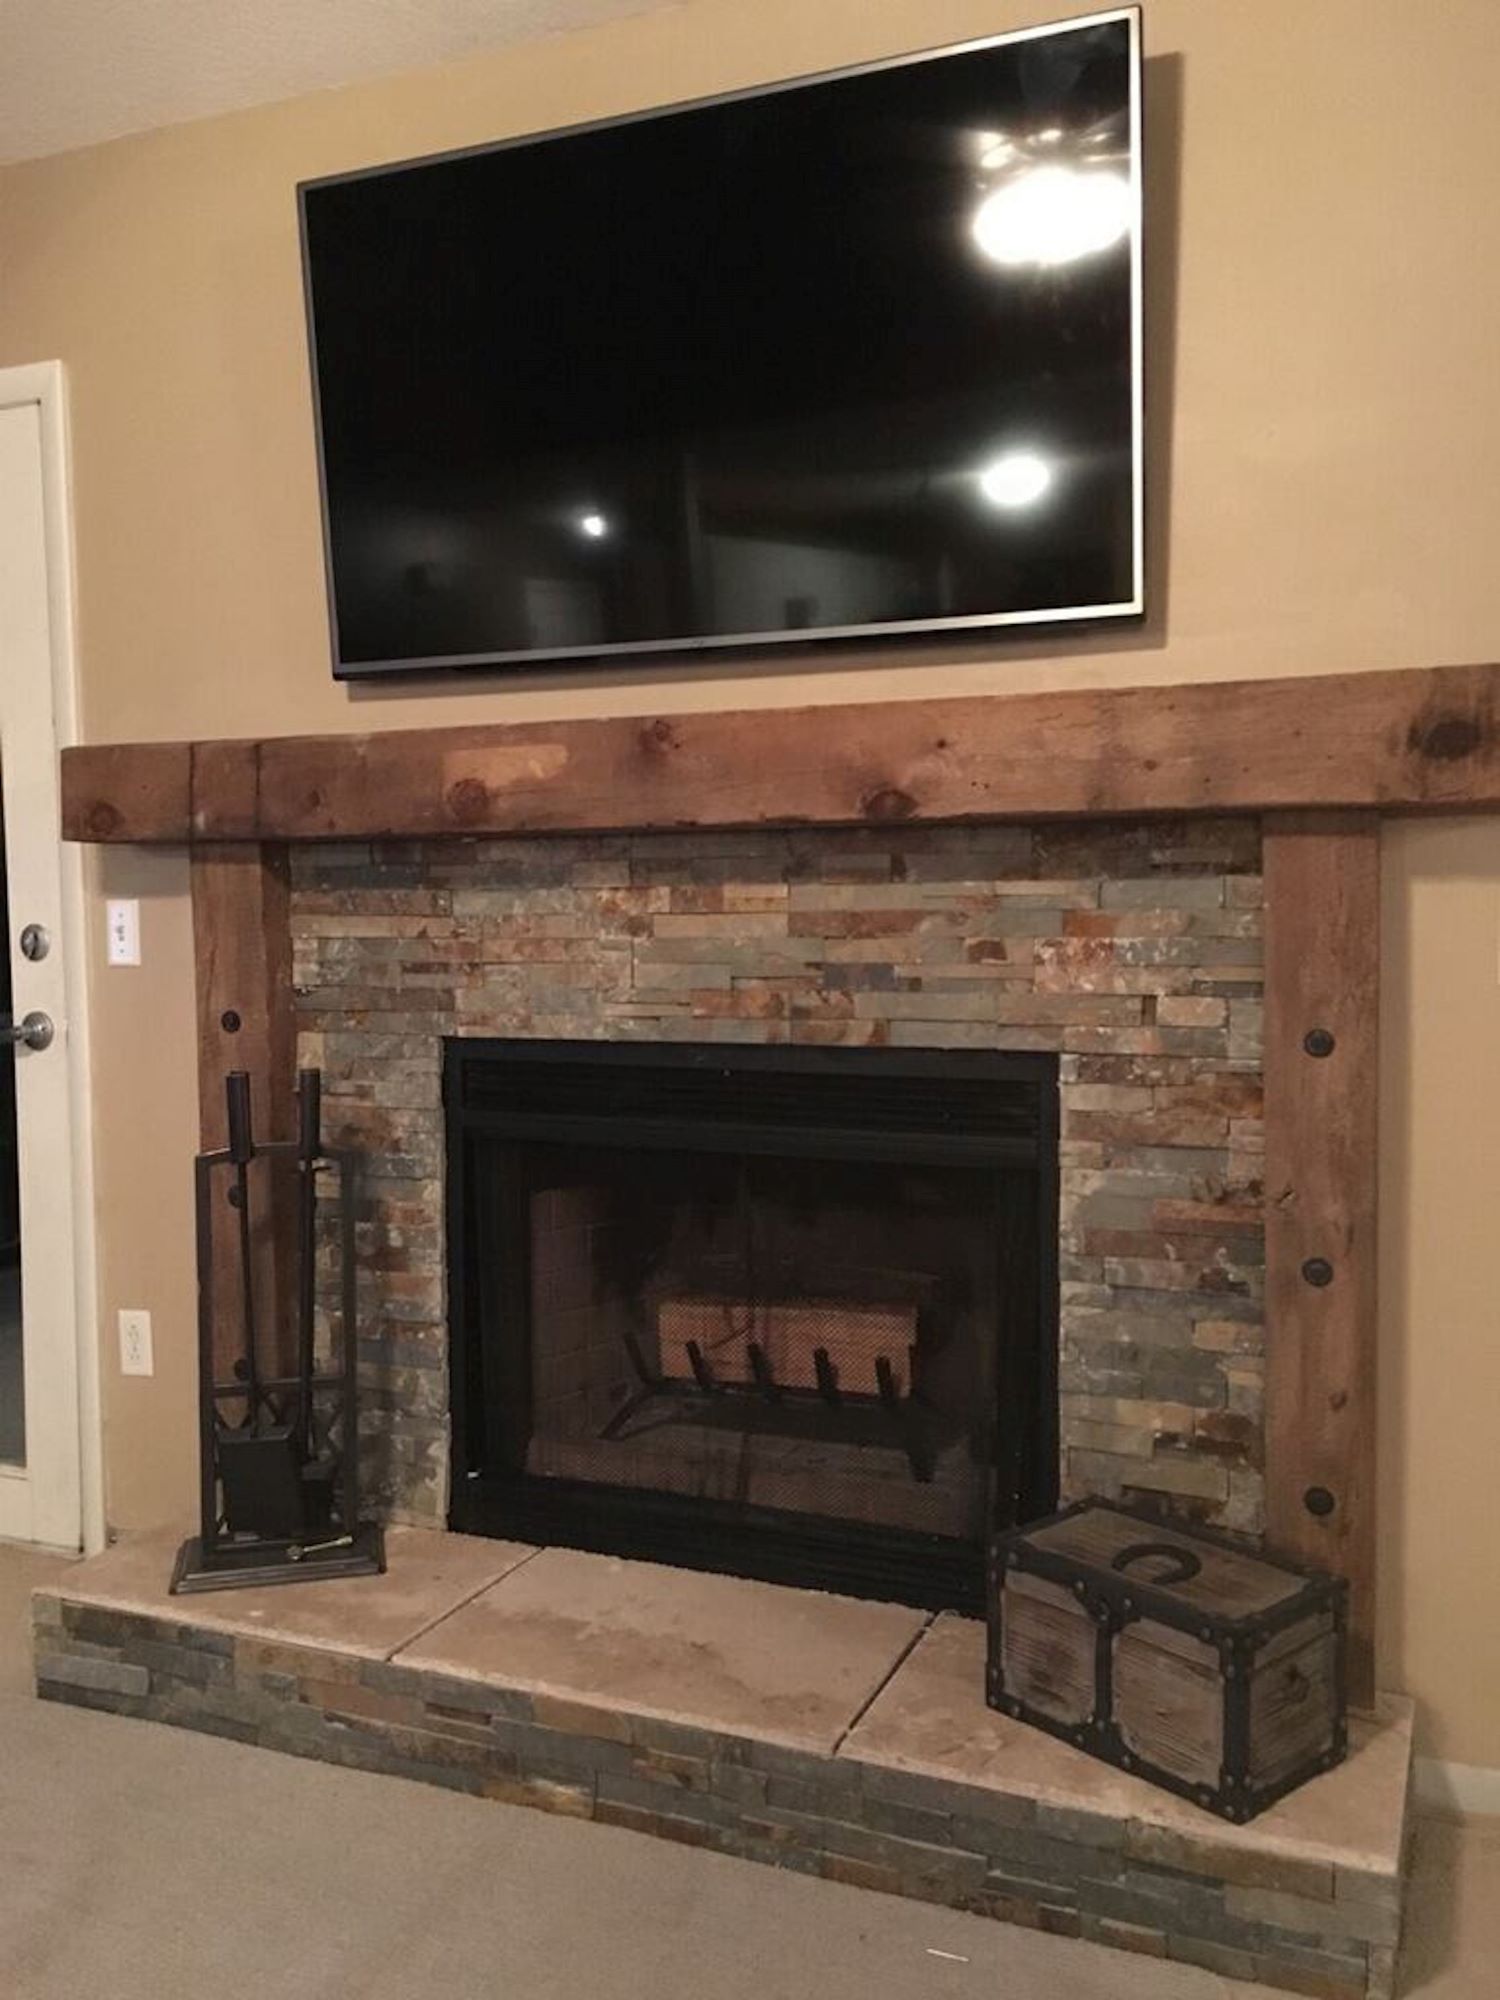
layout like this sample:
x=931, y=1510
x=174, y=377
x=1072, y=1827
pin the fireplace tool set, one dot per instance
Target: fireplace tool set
x=279, y=1495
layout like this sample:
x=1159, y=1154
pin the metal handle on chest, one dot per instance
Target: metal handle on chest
x=1295, y=1687
x=1185, y=1565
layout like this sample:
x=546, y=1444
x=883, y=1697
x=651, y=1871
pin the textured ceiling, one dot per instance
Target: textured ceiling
x=73, y=72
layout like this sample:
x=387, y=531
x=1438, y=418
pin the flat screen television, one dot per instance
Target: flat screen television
x=854, y=355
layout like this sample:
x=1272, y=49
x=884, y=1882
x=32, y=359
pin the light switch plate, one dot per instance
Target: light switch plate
x=122, y=920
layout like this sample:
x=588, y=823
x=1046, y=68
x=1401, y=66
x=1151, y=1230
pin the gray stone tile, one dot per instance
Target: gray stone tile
x=92, y=1675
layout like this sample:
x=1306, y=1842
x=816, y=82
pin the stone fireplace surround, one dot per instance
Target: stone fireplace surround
x=1132, y=949
x=919, y=1788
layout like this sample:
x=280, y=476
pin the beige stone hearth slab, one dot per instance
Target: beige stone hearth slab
x=931, y=1718
x=602, y=1637
x=368, y=1617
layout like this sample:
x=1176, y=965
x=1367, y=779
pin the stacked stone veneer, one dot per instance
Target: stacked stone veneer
x=1133, y=950
x=1287, y=1919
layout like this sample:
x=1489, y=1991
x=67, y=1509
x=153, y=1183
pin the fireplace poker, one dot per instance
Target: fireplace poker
x=241, y=1153
x=309, y=1152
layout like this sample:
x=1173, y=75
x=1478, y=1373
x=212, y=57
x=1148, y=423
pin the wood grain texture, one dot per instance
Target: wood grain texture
x=1169, y=1701
x=1226, y=1582
x=1428, y=738
x=140, y=792
x=242, y=950
x=1322, y=899
x=1048, y=1647
x=1294, y=1703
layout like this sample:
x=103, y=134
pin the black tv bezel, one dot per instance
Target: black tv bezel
x=685, y=650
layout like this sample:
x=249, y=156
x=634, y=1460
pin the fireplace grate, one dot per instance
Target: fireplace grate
x=732, y=1380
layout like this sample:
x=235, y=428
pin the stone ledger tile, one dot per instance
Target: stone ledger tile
x=428, y=1574
x=931, y=1718
x=787, y=1666
x=1132, y=948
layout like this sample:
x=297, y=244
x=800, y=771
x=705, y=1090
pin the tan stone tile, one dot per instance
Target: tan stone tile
x=1177, y=1011
x=428, y=1573
x=580, y=1718
x=255, y=1657
x=572, y=1801
x=713, y=1652
x=1168, y=1847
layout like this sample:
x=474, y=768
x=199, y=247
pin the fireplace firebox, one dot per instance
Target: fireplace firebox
x=785, y=1312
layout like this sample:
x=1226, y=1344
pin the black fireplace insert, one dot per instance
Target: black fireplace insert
x=785, y=1312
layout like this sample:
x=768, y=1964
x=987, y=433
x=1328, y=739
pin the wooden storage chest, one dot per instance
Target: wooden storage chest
x=1166, y=1651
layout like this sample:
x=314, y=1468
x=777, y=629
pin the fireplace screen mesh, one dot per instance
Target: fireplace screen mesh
x=806, y=1335
x=786, y=1312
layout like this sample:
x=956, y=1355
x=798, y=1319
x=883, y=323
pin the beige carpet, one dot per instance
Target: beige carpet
x=143, y=1863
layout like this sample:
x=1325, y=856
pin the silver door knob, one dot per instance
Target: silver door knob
x=35, y=1032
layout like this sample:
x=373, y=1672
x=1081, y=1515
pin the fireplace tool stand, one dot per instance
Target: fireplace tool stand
x=279, y=1454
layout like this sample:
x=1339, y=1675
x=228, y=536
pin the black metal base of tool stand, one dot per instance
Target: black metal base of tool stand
x=279, y=1455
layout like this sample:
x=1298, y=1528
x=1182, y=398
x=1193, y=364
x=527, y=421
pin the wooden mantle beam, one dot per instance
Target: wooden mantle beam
x=1425, y=739
x=1322, y=898
x=242, y=951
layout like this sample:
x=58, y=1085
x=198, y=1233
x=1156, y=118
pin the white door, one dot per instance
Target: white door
x=42, y=1275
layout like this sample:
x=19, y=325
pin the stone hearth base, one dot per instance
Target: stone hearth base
x=842, y=1739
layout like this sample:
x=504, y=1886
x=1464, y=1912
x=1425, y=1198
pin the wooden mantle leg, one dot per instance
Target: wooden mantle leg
x=242, y=948
x=1322, y=900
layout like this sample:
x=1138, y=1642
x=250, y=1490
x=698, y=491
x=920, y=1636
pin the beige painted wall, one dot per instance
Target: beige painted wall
x=1440, y=1322
x=1324, y=299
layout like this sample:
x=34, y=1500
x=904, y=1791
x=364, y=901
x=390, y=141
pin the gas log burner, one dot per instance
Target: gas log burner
x=789, y=1313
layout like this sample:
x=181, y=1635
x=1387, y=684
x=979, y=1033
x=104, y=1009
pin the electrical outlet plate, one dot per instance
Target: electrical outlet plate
x=122, y=922
x=135, y=1343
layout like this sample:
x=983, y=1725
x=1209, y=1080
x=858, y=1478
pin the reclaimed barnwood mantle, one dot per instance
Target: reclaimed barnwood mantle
x=1322, y=993
x=1410, y=741
x=1320, y=758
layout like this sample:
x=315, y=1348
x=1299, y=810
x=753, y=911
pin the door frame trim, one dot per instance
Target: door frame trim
x=43, y=385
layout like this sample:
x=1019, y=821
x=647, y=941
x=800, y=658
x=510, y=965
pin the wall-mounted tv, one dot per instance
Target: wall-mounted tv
x=854, y=355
